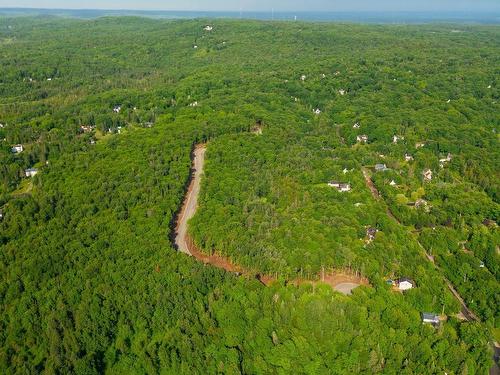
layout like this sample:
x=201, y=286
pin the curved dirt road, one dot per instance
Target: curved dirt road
x=191, y=200
x=341, y=281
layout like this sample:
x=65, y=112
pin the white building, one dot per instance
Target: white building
x=397, y=138
x=16, y=149
x=362, y=138
x=393, y=183
x=303, y=77
x=404, y=284
x=342, y=92
x=356, y=126
x=117, y=109
x=342, y=187
x=317, y=111
x=408, y=157
x=208, y=28
x=427, y=174
x=31, y=172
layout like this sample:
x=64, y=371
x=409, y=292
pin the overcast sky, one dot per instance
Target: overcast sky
x=264, y=5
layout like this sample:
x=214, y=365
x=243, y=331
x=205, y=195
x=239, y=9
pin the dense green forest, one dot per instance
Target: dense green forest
x=108, y=111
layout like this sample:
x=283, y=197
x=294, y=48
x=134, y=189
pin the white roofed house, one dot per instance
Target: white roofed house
x=362, y=138
x=430, y=318
x=208, y=28
x=356, y=125
x=303, y=77
x=342, y=92
x=397, y=138
x=419, y=144
x=427, y=175
x=317, y=111
x=31, y=172
x=16, y=149
x=405, y=283
x=408, y=157
x=381, y=168
x=442, y=162
x=393, y=183
x=117, y=109
x=341, y=187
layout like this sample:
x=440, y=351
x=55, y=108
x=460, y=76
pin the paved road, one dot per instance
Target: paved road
x=191, y=200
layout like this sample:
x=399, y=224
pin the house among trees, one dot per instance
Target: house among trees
x=1, y=215
x=117, y=109
x=405, y=283
x=87, y=128
x=208, y=28
x=342, y=92
x=427, y=174
x=193, y=104
x=356, y=125
x=371, y=233
x=17, y=149
x=381, y=168
x=419, y=144
x=31, y=172
x=442, y=162
x=408, y=157
x=317, y=111
x=397, y=138
x=342, y=187
x=362, y=138
x=393, y=183
x=430, y=318
x=303, y=77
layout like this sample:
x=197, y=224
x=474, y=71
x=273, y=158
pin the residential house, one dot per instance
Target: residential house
x=193, y=104
x=393, y=183
x=430, y=318
x=419, y=144
x=208, y=28
x=16, y=149
x=317, y=111
x=362, y=138
x=31, y=172
x=371, y=233
x=117, y=109
x=342, y=187
x=381, y=168
x=342, y=92
x=442, y=162
x=405, y=283
x=421, y=203
x=427, y=174
x=303, y=77
x=408, y=157
x=356, y=125
x=397, y=138
x=87, y=128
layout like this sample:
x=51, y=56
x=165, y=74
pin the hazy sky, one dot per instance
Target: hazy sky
x=264, y=5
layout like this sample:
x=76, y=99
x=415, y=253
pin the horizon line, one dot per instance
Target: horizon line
x=249, y=10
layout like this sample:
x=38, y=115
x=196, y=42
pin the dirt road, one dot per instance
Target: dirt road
x=190, y=201
x=342, y=281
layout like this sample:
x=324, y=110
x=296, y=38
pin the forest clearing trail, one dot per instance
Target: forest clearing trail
x=342, y=281
x=467, y=313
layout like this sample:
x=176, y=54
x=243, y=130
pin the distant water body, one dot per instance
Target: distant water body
x=359, y=17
